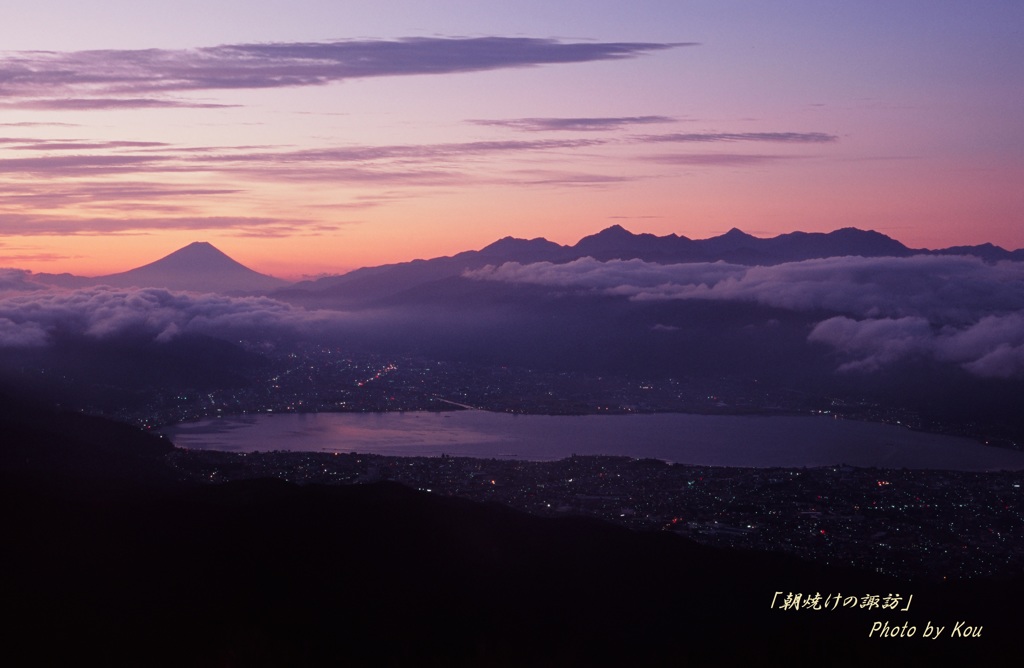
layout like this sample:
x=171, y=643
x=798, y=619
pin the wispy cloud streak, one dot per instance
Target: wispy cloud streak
x=732, y=137
x=716, y=159
x=132, y=77
x=402, y=151
x=91, y=104
x=50, y=225
x=573, y=124
x=74, y=145
x=404, y=164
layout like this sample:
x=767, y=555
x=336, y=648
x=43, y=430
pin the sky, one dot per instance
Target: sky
x=312, y=137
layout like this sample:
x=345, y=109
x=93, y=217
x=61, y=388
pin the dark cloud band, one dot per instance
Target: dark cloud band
x=131, y=77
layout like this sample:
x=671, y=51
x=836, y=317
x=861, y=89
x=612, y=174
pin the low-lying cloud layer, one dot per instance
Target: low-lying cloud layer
x=872, y=312
x=947, y=308
x=161, y=315
x=992, y=347
x=17, y=280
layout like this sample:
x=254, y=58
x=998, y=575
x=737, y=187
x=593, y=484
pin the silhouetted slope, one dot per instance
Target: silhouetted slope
x=986, y=251
x=44, y=446
x=125, y=372
x=268, y=573
x=526, y=250
x=617, y=243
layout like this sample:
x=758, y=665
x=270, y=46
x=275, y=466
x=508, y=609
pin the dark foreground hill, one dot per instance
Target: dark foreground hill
x=134, y=569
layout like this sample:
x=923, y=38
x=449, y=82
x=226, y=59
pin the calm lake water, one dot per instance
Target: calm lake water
x=712, y=440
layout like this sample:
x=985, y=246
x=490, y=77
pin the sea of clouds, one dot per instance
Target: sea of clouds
x=874, y=311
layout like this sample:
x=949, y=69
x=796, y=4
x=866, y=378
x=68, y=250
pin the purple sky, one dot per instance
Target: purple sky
x=310, y=137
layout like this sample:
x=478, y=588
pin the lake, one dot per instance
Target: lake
x=709, y=440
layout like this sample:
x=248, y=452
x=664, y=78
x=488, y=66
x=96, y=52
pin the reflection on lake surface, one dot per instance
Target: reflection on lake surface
x=711, y=440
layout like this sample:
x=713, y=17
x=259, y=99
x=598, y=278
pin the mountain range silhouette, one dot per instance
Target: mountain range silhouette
x=202, y=267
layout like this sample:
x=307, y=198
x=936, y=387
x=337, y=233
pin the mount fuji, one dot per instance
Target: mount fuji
x=198, y=267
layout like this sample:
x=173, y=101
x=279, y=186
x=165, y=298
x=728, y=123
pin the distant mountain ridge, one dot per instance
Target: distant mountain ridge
x=363, y=286
x=197, y=267
x=203, y=268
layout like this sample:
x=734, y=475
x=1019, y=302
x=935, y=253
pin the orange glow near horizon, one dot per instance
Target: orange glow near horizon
x=425, y=147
